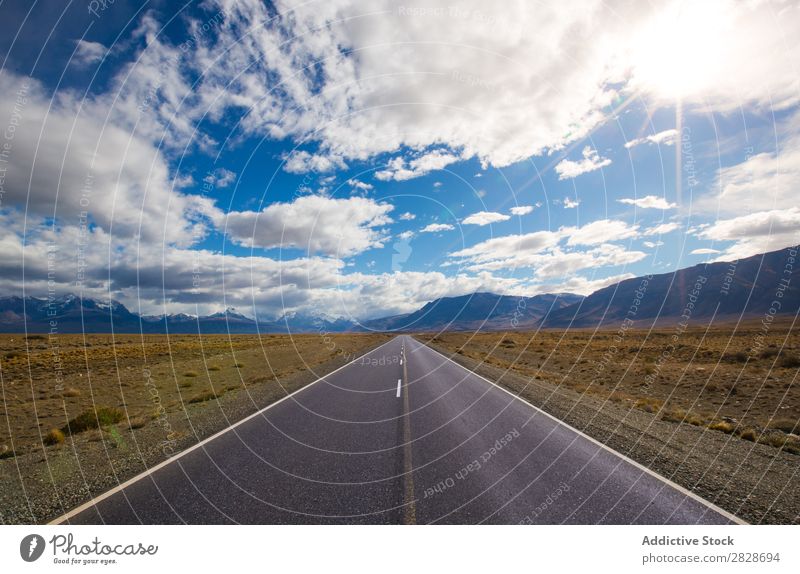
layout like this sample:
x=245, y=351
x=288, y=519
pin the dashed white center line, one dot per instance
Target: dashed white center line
x=399, y=385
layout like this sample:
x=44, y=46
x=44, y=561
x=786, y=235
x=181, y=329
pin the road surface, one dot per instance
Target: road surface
x=400, y=435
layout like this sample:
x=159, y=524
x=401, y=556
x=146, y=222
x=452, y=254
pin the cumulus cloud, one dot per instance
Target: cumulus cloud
x=485, y=218
x=543, y=251
x=360, y=185
x=667, y=137
x=304, y=162
x=70, y=162
x=570, y=203
x=407, y=216
x=436, y=227
x=762, y=181
x=568, y=169
x=521, y=210
x=600, y=231
x=316, y=224
x=399, y=169
x=649, y=202
x=220, y=178
x=88, y=53
x=756, y=233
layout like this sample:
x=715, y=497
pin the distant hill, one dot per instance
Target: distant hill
x=72, y=314
x=745, y=288
x=478, y=311
x=724, y=290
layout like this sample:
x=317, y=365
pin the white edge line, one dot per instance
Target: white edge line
x=678, y=487
x=88, y=504
x=399, y=383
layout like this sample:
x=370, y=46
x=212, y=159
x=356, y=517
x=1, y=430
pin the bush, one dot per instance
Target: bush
x=239, y=365
x=213, y=367
x=785, y=425
x=737, y=357
x=749, y=434
x=137, y=423
x=102, y=416
x=55, y=436
x=71, y=392
x=722, y=426
x=788, y=361
x=206, y=396
x=191, y=374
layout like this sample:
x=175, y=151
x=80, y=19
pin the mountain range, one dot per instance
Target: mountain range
x=751, y=287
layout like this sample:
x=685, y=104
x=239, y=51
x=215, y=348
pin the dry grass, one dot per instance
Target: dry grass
x=717, y=378
x=55, y=436
x=722, y=426
x=209, y=395
x=130, y=372
x=92, y=419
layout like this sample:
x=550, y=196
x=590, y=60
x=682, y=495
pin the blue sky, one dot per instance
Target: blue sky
x=359, y=160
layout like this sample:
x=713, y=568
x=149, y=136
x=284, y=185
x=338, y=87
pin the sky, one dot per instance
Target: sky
x=359, y=159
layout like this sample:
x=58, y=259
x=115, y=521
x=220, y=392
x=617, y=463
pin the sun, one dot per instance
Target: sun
x=674, y=55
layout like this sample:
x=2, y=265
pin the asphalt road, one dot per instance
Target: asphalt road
x=401, y=435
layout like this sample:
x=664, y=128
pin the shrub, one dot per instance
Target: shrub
x=213, y=367
x=737, y=357
x=722, y=426
x=648, y=405
x=749, y=434
x=55, y=436
x=71, y=392
x=191, y=374
x=788, y=361
x=206, y=396
x=785, y=425
x=87, y=420
x=239, y=365
x=185, y=384
x=137, y=423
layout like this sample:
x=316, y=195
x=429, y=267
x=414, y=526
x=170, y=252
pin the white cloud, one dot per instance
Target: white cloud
x=703, y=251
x=762, y=181
x=521, y=210
x=756, y=233
x=662, y=229
x=541, y=251
x=407, y=216
x=317, y=224
x=435, y=227
x=399, y=169
x=485, y=218
x=88, y=53
x=68, y=158
x=220, y=178
x=337, y=83
x=667, y=137
x=304, y=162
x=360, y=185
x=405, y=235
x=568, y=169
x=652, y=244
x=570, y=203
x=601, y=231
x=649, y=202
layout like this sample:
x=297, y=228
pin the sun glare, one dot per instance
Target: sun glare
x=675, y=53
